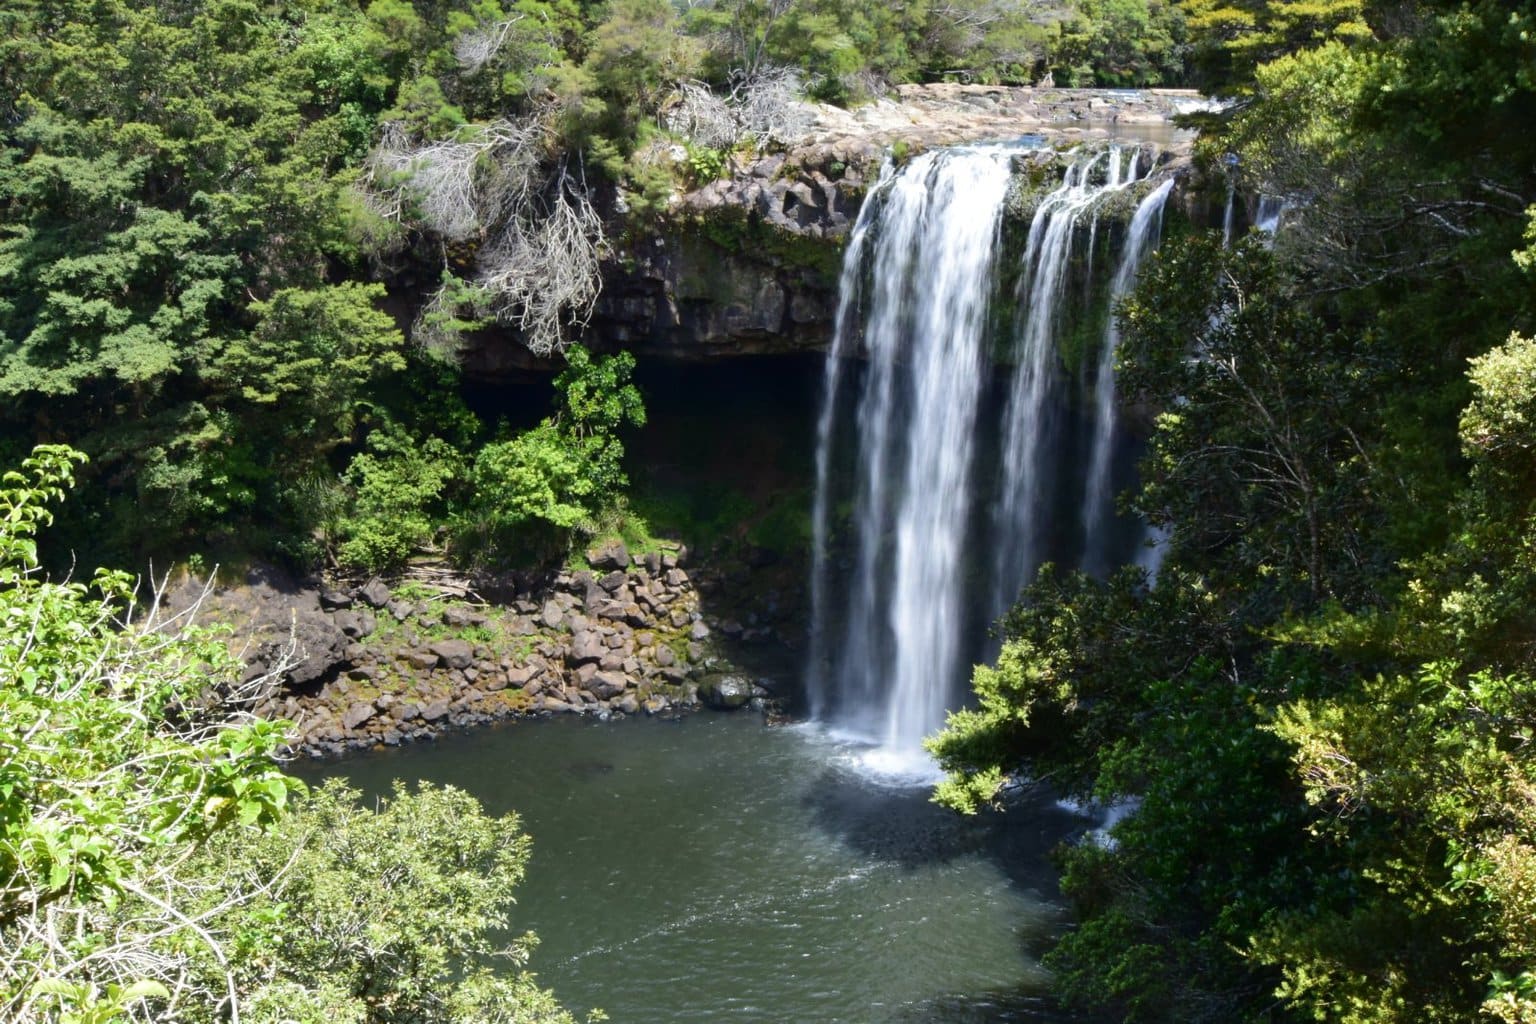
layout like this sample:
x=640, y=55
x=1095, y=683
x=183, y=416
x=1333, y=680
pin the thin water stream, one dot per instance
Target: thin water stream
x=715, y=869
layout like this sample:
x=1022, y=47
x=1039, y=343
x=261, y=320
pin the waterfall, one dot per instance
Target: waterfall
x=1099, y=493
x=1028, y=428
x=906, y=571
x=1229, y=217
x=934, y=230
x=848, y=292
x=1271, y=210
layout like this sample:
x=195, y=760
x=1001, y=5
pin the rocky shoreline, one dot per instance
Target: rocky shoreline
x=373, y=665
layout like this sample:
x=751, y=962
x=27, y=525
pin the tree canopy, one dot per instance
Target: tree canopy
x=157, y=864
x=1320, y=706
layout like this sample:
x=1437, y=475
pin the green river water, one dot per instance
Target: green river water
x=718, y=869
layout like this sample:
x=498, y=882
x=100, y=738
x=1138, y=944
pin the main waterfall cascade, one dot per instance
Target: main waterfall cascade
x=945, y=455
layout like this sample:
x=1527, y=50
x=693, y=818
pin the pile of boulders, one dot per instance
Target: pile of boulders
x=370, y=665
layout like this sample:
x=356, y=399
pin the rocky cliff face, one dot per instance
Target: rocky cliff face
x=369, y=665
x=748, y=263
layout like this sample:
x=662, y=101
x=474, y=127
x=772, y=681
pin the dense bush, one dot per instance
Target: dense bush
x=156, y=864
x=1322, y=705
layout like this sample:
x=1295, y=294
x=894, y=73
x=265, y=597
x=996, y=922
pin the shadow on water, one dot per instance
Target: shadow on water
x=902, y=824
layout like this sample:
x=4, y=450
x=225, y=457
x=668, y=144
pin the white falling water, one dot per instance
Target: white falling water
x=1098, y=494
x=922, y=333
x=849, y=291
x=1028, y=430
x=1271, y=210
x=894, y=592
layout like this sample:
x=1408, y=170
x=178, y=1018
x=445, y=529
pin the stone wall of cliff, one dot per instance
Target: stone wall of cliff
x=748, y=263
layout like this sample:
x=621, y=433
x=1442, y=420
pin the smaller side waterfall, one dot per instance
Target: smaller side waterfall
x=1028, y=433
x=1271, y=211
x=1099, y=493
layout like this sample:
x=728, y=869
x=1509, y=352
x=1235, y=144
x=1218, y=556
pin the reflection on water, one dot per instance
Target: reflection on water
x=716, y=869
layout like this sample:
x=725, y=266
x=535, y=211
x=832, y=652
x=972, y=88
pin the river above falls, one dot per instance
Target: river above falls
x=716, y=869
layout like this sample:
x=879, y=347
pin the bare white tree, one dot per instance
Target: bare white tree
x=764, y=106
x=702, y=117
x=477, y=47
x=769, y=106
x=544, y=269
x=542, y=240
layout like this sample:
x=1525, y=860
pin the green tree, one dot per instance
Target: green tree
x=155, y=862
x=397, y=498
x=635, y=55
x=127, y=744
x=1121, y=43
x=530, y=492
x=1233, y=37
x=170, y=200
x=1321, y=707
x=390, y=914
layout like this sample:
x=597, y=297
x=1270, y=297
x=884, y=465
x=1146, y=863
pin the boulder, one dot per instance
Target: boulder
x=422, y=661
x=282, y=624
x=607, y=685
x=725, y=692
x=333, y=600
x=458, y=617
x=612, y=555
x=586, y=646
x=355, y=624
x=356, y=715
x=455, y=653
x=375, y=593
x=552, y=615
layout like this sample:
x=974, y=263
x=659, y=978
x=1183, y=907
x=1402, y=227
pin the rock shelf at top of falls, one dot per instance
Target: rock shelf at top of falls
x=747, y=264
x=813, y=186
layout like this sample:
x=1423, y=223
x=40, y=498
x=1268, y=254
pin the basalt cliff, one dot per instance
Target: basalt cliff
x=748, y=263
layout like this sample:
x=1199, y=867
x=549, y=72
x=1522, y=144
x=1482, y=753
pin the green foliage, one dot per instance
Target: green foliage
x=307, y=364
x=381, y=915
x=1121, y=43
x=397, y=498
x=1233, y=37
x=169, y=213
x=155, y=862
x=634, y=56
x=122, y=754
x=705, y=164
x=1257, y=469
x=1322, y=707
x=532, y=490
x=1498, y=428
